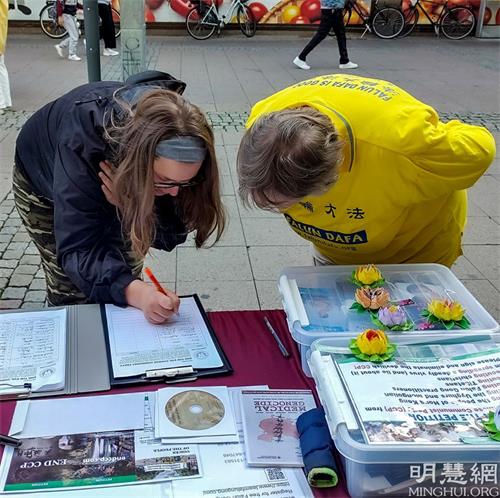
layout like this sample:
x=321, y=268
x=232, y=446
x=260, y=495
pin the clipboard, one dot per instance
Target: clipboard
x=180, y=373
x=88, y=361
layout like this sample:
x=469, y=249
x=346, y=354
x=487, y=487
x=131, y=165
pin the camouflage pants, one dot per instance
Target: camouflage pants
x=37, y=215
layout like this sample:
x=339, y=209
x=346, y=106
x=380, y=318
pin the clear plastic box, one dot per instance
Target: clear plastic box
x=316, y=300
x=400, y=469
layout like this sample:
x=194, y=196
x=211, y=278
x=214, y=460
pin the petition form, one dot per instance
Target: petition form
x=137, y=345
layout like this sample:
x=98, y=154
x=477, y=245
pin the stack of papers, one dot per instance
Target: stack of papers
x=32, y=351
x=110, y=441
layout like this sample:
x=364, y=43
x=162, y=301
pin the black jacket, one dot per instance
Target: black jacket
x=59, y=150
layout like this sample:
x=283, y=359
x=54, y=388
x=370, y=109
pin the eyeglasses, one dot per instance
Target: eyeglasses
x=191, y=183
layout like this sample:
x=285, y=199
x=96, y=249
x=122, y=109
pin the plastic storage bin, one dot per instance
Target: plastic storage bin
x=400, y=469
x=316, y=300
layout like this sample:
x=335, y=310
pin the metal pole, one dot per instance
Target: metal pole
x=91, y=19
x=133, y=44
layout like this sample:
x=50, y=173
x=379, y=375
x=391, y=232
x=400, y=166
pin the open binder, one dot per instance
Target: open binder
x=88, y=358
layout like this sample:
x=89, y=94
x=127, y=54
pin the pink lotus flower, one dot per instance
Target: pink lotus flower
x=392, y=315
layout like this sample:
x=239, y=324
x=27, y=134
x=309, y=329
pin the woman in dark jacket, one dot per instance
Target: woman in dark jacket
x=105, y=172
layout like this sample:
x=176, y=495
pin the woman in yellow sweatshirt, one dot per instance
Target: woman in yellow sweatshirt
x=363, y=170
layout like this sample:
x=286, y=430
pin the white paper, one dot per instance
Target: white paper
x=53, y=417
x=165, y=428
x=163, y=490
x=138, y=346
x=226, y=474
x=32, y=350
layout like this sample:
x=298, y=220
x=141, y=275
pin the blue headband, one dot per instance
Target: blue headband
x=184, y=149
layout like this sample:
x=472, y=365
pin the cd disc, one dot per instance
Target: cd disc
x=194, y=410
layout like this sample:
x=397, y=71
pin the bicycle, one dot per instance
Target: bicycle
x=386, y=22
x=203, y=19
x=50, y=26
x=455, y=23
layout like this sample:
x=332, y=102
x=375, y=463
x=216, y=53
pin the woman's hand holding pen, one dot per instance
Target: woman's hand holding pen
x=157, y=306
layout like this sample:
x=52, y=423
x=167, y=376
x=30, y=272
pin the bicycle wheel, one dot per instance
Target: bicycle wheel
x=411, y=20
x=116, y=21
x=347, y=18
x=457, y=23
x=387, y=23
x=246, y=21
x=197, y=24
x=48, y=22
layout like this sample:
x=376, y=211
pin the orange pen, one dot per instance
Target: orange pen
x=153, y=279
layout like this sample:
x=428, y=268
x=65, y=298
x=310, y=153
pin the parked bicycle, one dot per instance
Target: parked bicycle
x=385, y=22
x=204, y=19
x=455, y=23
x=50, y=26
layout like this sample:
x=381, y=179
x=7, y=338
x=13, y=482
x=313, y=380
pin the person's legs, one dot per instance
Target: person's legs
x=339, y=29
x=107, y=26
x=37, y=215
x=72, y=29
x=5, y=100
x=324, y=27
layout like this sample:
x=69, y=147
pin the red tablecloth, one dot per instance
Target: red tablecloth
x=255, y=358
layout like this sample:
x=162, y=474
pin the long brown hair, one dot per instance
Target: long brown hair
x=160, y=114
x=293, y=153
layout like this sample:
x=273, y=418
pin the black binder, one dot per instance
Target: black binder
x=182, y=373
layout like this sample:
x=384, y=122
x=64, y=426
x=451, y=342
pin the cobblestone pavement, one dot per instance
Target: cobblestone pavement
x=235, y=121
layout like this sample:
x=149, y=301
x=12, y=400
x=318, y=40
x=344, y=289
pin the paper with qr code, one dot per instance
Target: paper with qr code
x=226, y=474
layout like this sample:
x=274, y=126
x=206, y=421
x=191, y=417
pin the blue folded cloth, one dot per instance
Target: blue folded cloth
x=317, y=449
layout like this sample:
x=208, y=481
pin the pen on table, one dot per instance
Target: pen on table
x=10, y=441
x=283, y=350
x=155, y=282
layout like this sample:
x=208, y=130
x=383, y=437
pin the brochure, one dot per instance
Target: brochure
x=97, y=459
x=269, y=419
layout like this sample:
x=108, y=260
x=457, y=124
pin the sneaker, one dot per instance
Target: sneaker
x=59, y=51
x=348, y=65
x=109, y=52
x=300, y=63
x=74, y=57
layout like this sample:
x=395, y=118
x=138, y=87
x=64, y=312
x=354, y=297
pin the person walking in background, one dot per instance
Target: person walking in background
x=332, y=16
x=5, y=100
x=107, y=28
x=66, y=14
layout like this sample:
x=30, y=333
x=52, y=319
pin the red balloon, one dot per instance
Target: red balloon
x=148, y=15
x=311, y=9
x=300, y=20
x=258, y=10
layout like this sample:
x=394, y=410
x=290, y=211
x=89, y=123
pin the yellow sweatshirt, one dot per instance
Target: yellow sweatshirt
x=4, y=14
x=400, y=196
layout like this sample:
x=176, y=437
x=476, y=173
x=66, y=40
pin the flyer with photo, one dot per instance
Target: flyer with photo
x=97, y=459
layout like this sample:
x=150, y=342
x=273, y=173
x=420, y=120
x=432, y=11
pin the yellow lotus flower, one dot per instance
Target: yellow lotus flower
x=446, y=310
x=367, y=274
x=372, y=342
x=372, y=299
